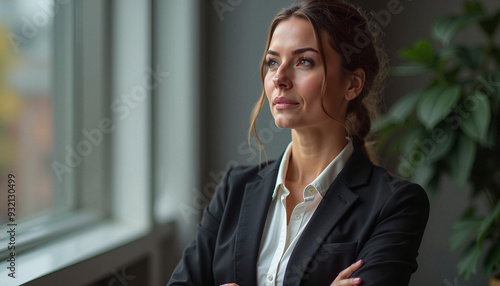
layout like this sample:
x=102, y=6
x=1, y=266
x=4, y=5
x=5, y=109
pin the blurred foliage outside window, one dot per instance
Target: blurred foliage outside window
x=26, y=107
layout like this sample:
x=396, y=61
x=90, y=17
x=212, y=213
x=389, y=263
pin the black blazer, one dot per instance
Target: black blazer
x=366, y=214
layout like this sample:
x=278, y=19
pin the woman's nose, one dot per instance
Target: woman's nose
x=281, y=79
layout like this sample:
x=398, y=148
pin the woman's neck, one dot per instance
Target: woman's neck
x=312, y=150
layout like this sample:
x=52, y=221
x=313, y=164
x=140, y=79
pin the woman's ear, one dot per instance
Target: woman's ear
x=356, y=84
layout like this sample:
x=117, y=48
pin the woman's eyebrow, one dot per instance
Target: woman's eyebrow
x=294, y=52
x=303, y=50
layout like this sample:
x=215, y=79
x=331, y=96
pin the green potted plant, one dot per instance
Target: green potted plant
x=450, y=127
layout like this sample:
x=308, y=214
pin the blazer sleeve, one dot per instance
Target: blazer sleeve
x=195, y=267
x=390, y=253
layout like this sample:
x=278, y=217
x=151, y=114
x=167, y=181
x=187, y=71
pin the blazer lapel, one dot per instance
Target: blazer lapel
x=255, y=206
x=338, y=199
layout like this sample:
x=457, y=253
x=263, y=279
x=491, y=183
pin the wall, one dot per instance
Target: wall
x=236, y=34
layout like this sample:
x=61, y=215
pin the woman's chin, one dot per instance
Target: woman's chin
x=282, y=124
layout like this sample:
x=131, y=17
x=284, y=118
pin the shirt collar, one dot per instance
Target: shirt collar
x=327, y=176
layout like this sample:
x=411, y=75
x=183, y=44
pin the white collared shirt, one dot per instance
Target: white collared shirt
x=278, y=239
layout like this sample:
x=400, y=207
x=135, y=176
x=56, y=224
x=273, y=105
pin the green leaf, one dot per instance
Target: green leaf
x=492, y=260
x=438, y=143
x=432, y=187
x=402, y=108
x=476, y=115
x=496, y=54
x=468, y=262
x=409, y=69
x=423, y=174
x=382, y=123
x=386, y=133
x=411, y=139
x=469, y=212
x=446, y=27
x=451, y=76
x=492, y=135
x=461, y=160
x=421, y=52
x=436, y=103
x=473, y=8
x=410, y=158
x=487, y=223
x=463, y=231
x=490, y=24
x=447, y=53
x=471, y=57
x=422, y=147
x=492, y=85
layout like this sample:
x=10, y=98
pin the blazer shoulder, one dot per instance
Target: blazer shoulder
x=393, y=181
x=394, y=186
x=372, y=181
x=247, y=173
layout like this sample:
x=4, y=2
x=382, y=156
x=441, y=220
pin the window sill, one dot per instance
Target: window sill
x=46, y=228
x=71, y=249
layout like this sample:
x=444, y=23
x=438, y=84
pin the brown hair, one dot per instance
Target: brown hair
x=350, y=34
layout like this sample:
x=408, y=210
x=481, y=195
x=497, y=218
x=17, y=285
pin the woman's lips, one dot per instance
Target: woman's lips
x=284, y=103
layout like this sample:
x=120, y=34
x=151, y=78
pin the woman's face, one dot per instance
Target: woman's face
x=295, y=74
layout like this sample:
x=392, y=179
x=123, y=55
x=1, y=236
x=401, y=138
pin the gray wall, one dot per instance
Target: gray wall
x=235, y=43
x=235, y=46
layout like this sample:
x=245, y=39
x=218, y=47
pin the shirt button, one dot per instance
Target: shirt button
x=311, y=191
x=297, y=216
x=270, y=278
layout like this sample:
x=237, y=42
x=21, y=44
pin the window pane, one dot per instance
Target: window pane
x=26, y=105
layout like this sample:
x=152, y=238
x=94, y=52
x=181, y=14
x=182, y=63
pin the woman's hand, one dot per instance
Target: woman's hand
x=341, y=280
x=343, y=277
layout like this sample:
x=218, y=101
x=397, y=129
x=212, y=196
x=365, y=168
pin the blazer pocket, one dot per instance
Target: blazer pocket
x=331, y=248
x=328, y=261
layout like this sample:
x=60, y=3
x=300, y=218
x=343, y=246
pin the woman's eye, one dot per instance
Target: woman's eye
x=271, y=64
x=305, y=62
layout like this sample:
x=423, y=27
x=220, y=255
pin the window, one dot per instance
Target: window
x=116, y=88
x=52, y=81
x=37, y=104
x=26, y=110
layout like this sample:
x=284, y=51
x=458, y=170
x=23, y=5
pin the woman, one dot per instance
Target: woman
x=323, y=214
